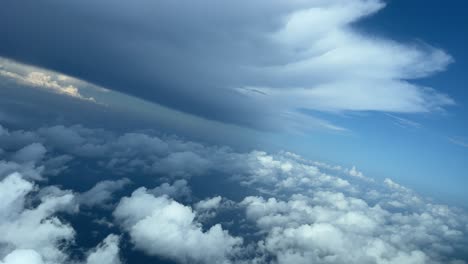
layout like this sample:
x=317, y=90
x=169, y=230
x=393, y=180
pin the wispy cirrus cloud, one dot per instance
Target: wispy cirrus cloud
x=458, y=141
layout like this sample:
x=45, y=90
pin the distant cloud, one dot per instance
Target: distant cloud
x=177, y=190
x=403, y=122
x=102, y=193
x=458, y=141
x=31, y=153
x=41, y=78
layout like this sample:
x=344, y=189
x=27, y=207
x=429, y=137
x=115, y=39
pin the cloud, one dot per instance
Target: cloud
x=31, y=153
x=125, y=153
x=458, y=141
x=35, y=234
x=40, y=78
x=405, y=123
x=35, y=228
x=244, y=63
x=23, y=256
x=355, y=173
x=207, y=209
x=330, y=227
x=102, y=193
x=107, y=252
x=179, y=189
x=279, y=208
x=163, y=227
x=208, y=204
x=182, y=164
x=28, y=170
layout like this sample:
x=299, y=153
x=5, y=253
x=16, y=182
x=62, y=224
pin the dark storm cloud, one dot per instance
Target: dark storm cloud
x=139, y=49
x=242, y=62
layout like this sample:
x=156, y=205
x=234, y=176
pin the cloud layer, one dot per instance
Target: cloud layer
x=284, y=208
x=253, y=64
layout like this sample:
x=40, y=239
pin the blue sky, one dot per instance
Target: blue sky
x=423, y=157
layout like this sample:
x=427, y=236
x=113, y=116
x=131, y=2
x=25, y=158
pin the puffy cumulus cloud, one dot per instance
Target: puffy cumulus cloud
x=281, y=174
x=102, y=193
x=328, y=219
x=331, y=227
x=16, y=139
x=182, y=164
x=208, y=204
x=32, y=228
x=28, y=170
x=106, y=252
x=296, y=210
x=24, y=152
x=209, y=208
x=163, y=227
x=23, y=256
x=254, y=63
x=40, y=78
x=178, y=190
x=35, y=234
x=129, y=152
x=31, y=153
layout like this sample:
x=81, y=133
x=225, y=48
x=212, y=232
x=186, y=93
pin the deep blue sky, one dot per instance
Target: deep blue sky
x=443, y=165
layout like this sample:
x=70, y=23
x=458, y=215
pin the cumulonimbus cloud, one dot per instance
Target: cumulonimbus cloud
x=244, y=63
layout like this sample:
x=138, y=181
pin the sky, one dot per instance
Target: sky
x=305, y=131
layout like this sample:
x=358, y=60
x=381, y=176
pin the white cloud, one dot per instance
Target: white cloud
x=23, y=256
x=208, y=204
x=330, y=227
x=33, y=228
x=301, y=210
x=327, y=65
x=163, y=227
x=106, y=252
x=333, y=67
x=35, y=234
x=208, y=208
x=355, y=173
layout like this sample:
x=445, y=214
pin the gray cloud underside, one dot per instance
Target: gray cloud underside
x=246, y=63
